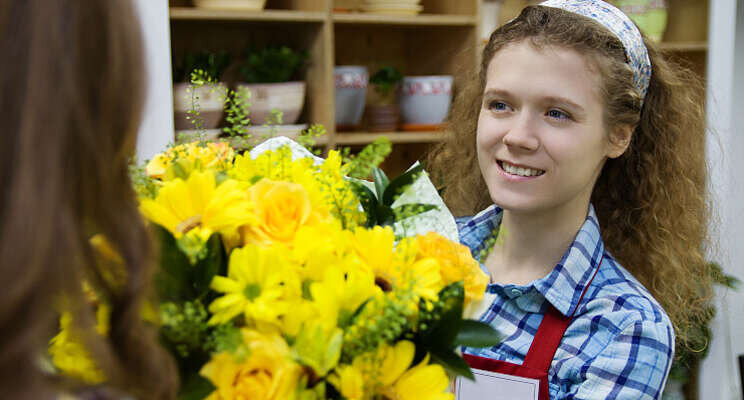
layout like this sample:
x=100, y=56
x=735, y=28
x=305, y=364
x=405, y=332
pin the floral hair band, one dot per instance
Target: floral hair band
x=619, y=24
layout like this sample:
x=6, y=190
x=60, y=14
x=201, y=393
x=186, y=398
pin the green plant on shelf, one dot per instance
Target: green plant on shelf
x=237, y=104
x=212, y=64
x=384, y=82
x=199, y=78
x=272, y=64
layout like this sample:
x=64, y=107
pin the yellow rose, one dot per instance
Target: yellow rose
x=456, y=264
x=267, y=372
x=282, y=208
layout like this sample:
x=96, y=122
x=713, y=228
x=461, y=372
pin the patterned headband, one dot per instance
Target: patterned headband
x=619, y=24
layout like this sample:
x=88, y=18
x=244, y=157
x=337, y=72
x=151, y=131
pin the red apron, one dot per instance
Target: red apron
x=540, y=355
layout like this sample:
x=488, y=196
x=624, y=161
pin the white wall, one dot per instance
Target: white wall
x=156, y=130
x=720, y=374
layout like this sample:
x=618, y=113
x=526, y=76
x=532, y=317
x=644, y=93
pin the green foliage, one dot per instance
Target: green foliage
x=441, y=329
x=272, y=64
x=378, y=205
x=143, y=186
x=184, y=326
x=199, y=78
x=318, y=350
x=213, y=65
x=236, y=112
x=385, y=80
x=184, y=275
x=690, y=354
x=308, y=137
x=371, y=156
x=224, y=338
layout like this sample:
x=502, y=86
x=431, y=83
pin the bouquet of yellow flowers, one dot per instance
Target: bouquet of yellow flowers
x=281, y=278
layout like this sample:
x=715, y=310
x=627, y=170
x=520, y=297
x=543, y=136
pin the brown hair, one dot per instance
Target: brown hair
x=71, y=89
x=651, y=201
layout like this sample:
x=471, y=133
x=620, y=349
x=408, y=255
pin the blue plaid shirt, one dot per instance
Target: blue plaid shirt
x=620, y=343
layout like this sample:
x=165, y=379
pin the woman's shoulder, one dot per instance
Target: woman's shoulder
x=617, y=291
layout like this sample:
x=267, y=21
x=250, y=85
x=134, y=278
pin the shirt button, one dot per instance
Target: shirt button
x=516, y=292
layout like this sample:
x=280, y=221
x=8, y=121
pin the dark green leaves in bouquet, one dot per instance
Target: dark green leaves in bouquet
x=400, y=184
x=212, y=264
x=477, y=334
x=172, y=277
x=452, y=362
x=195, y=387
x=176, y=278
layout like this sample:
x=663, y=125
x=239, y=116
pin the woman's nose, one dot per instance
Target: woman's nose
x=522, y=134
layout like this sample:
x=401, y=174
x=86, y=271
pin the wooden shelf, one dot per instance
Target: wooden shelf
x=199, y=14
x=361, y=138
x=421, y=19
x=684, y=46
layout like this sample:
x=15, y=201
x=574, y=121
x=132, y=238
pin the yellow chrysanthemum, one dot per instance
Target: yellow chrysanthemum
x=198, y=207
x=258, y=285
x=343, y=288
x=317, y=247
x=455, y=262
x=349, y=381
x=386, y=372
x=68, y=353
x=375, y=248
x=181, y=160
x=267, y=373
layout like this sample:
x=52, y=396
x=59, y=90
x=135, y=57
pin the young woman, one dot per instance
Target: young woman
x=585, y=147
x=71, y=89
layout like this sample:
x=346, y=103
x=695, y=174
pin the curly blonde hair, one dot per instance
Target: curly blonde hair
x=651, y=202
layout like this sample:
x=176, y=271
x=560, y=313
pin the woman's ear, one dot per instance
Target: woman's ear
x=619, y=140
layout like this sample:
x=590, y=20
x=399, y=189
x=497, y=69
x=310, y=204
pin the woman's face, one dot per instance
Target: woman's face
x=541, y=139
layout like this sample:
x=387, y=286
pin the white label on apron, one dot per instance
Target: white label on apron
x=495, y=386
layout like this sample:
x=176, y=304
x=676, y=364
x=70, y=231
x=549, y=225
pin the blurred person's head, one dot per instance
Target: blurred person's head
x=71, y=94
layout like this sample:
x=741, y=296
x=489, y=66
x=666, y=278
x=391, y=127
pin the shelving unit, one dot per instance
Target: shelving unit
x=443, y=40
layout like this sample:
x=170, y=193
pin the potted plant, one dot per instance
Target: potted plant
x=198, y=94
x=382, y=112
x=682, y=383
x=271, y=74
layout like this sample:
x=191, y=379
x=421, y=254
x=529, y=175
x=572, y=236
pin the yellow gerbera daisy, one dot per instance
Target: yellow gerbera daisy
x=258, y=285
x=198, y=207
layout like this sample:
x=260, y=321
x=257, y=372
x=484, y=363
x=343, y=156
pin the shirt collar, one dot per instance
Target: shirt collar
x=564, y=285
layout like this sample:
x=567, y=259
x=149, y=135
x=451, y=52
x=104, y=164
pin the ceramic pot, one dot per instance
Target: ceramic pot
x=287, y=97
x=425, y=100
x=382, y=118
x=210, y=100
x=351, y=93
x=649, y=15
x=244, y=5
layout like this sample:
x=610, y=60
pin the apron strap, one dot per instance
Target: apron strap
x=547, y=339
x=550, y=332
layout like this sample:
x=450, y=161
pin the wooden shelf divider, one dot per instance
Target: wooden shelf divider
x=684, y=46
x=421, y=19
x=198, y=14
x=360, y=138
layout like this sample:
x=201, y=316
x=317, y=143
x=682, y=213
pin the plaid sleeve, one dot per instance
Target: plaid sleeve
x=634, y=365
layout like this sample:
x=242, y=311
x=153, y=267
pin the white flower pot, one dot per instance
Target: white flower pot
x=351, y=95
x=286, y=97
x=210, y=100
x=425, y=100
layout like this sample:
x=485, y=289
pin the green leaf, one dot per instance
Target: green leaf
x=212, y=264
x=476, y=334
x=195, y=387
x=452, y=362
x=444, y=331
x=368, y=201
x=400, y=184
x=385, y=215
x=171, y=277
x=381, y=181
x=410, y=210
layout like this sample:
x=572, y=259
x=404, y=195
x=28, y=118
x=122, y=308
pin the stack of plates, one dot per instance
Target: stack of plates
x=400, y=7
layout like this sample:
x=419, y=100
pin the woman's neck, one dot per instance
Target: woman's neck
x=531, y=244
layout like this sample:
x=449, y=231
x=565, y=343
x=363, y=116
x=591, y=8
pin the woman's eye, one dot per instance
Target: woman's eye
x=497, y=106
x=558, y=114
